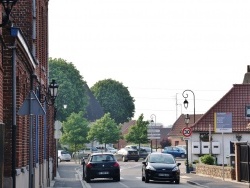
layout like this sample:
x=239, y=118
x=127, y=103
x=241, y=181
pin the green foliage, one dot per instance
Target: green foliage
x=138, y=133
x=115, y=99
x=207, y=159
x=71, y=88
x=104, y=130
x=75, y=130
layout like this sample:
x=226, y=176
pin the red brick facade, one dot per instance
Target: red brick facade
x=25, y=58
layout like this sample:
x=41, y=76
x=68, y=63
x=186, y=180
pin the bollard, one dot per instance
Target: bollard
x=83, y=164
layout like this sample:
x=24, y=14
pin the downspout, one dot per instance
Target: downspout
x=14, y=126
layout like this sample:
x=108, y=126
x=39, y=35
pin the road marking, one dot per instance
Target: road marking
x=124, y=185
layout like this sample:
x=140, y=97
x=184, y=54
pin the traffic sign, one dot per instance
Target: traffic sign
x=154, y=132
x=57, y=134
x=58, y=125
x=186, y=131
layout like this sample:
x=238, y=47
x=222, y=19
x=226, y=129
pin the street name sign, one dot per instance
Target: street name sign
x=154, y=132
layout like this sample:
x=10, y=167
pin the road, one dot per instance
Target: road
x=71, y=173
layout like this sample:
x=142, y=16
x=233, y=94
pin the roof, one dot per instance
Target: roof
x=94, y=109
x=236, y=100
x=180, y=124
x=126, y=125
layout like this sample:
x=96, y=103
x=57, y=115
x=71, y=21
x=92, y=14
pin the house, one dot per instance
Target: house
x=224, y=124
x=27, y=143
x=155, y=142
x=176, y=134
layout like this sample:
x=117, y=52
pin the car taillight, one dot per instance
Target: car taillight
x=89, y=165
x=116, y=164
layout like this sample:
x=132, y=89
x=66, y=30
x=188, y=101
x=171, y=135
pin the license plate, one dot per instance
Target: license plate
x=102, y=173
x=165, y=175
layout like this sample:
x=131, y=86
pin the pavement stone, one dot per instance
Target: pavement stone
x=212, y=182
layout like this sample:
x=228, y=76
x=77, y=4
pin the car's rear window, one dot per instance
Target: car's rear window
x=161, y=159
x=102, y=158
x=64, y=152
x=132, y=152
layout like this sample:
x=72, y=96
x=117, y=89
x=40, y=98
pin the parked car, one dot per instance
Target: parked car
x=175, y=151
x=111, y=150
x=84, y=152
x=143, y=153
x=148, y=149
x=101, y=165
x=161, y=167
x=131, y=147
x=63, y=155
x=182, y=146
x=129, y=154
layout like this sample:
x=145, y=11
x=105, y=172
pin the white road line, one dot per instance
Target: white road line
x=124, y=185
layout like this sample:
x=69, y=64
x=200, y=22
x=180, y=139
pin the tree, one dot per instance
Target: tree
x=115, y=99
x=165, y=142
x=71, y=89
x=138, y=133
x=75, y=130
x=104, y=130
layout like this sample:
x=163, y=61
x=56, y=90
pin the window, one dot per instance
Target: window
x=247, y=111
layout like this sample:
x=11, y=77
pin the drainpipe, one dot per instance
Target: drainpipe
x=14, y=115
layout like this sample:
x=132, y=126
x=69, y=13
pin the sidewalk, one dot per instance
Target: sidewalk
x=211, y=182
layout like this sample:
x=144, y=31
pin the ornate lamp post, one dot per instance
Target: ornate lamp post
x=185, y=95
x=7, y=6
x=187, y=118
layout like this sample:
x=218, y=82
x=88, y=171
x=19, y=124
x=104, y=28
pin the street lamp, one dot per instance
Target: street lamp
x=185, y=95
x=187, y=118
x=50, y=94
x=153, y=120
x=7, y=6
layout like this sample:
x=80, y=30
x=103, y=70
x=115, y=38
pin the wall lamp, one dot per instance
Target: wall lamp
x=7, y=6
x=50, y=95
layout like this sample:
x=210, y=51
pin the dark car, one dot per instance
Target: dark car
x=143, y=153
x=160, y=167
x=175, y=151
x=101, y=165
x=129, y=154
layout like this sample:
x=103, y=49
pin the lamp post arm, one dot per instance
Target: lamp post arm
x=185, y=95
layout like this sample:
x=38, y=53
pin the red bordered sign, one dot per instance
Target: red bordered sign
x=186, y=131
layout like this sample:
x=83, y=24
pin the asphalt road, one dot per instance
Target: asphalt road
x=70, y=174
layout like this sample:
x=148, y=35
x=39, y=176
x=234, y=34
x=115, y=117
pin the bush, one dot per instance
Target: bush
x=207, y=159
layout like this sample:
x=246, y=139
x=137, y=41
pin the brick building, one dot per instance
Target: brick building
x=24, y=68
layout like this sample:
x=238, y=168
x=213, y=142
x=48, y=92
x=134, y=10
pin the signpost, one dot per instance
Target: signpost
x=186, y=131
x=154, y=132
x=223, y=123
x=57, y=135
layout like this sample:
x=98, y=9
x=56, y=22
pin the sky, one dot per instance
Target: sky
x=156, y=48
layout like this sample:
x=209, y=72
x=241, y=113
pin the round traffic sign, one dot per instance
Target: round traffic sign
x=186, y=131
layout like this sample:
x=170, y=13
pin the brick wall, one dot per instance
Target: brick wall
x=216, y=171
x=37, y=42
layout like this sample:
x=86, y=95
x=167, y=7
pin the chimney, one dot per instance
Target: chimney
x=246, y=79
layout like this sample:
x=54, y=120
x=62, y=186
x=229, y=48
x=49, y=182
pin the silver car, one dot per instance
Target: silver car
x=63, y=155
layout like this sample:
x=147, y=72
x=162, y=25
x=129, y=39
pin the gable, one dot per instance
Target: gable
x=235, y=101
